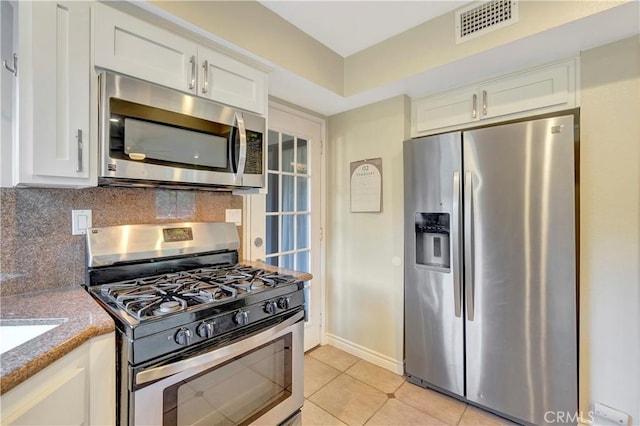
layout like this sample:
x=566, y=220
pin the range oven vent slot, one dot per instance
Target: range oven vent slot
x=484, y=17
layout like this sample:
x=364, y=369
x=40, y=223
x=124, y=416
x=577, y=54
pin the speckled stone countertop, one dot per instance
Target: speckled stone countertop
x=83, y=319
x=304, y=276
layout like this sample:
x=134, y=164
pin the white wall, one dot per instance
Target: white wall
x=364, y=285
x=610, y=227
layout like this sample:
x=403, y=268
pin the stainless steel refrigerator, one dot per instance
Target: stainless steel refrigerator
x=490, y=267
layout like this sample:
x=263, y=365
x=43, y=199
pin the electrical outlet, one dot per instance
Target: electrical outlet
x=610, y=414
x=80, y=221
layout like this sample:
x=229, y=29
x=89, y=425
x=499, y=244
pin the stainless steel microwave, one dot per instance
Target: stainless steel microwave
x=156, y=136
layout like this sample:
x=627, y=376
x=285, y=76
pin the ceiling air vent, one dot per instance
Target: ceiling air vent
x=484, y=17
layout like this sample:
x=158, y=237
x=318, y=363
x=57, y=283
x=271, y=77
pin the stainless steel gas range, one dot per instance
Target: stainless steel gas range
x=200, y=338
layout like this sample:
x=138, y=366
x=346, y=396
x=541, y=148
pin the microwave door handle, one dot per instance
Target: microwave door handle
x=242, y=157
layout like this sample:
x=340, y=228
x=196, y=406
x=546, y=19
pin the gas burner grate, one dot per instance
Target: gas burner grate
x=159, y=295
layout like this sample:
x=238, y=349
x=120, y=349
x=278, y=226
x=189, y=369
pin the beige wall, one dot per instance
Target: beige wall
x=364, y=286
x=432, y=44
x=610, y=226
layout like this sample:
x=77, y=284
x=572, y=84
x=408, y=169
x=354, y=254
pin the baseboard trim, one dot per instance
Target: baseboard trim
x=373, y=357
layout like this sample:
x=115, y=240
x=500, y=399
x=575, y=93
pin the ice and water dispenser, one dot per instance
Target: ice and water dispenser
x=432, y=240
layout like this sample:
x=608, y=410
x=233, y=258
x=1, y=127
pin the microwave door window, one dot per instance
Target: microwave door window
x=162, y=144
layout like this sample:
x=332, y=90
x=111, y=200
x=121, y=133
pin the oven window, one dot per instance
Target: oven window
x=235, y=393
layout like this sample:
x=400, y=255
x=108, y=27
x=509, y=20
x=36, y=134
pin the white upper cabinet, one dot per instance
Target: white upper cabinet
x=450, y=109
x=231, y=82
x=54, y=141
x=8, y=48
x=540, y=90
x=137, y=48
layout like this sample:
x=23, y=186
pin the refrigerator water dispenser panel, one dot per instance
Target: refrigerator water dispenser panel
x=432, y=240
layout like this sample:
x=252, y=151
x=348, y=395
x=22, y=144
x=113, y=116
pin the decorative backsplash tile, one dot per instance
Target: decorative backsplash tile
x=37, y=250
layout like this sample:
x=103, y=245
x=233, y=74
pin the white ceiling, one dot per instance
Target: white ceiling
x=347, y=26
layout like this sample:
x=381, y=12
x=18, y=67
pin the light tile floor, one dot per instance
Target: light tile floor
x=341, y=389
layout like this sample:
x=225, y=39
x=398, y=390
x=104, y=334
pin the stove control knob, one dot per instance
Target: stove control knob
x=270, y=307
x=241, y=318
x=284, y=302
x=205, y=330
x=183, y=336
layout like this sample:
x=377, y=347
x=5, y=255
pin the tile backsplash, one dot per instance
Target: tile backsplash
x=37, y=250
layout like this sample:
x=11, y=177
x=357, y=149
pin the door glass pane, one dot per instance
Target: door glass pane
x=287, y=193
x=302, y=261
x=286, y=261
x=272, y=154
x=288, y=229
x=272, y=260
x=273, y=194
x=302, y=231
x=302, y=165
x=302, y=194
x=287, y=232
x=287, y=153
x=271, y=245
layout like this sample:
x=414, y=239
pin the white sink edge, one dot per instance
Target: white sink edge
x=14, y=333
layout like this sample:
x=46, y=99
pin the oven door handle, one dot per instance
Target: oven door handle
x=215, y=357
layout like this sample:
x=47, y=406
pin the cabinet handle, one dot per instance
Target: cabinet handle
x=13, y=70
x=475, y=106
x=484, y=102
x=205, y=84
x=80, y=147
x=192, y=84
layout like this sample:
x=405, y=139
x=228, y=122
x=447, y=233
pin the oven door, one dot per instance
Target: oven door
x=257, y=379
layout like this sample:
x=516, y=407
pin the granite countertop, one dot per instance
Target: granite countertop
x=80, y=319
x=304, y=276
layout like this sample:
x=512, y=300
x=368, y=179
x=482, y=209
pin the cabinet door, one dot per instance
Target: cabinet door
x=60, y=78
x=131, y=46
x=231, y=82
x=8, y=19
x=541, y=88
x=57, y=395
x=448, y=110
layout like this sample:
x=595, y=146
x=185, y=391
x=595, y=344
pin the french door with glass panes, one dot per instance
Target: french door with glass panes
x=288, y=218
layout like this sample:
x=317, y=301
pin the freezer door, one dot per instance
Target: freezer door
x=520, y=268
x=433, y=296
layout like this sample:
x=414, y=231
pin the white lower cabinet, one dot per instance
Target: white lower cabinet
x=78, y=389
x=55, y=140
x=540, y=90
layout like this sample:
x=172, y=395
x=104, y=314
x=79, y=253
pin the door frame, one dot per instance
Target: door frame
x=249, y=222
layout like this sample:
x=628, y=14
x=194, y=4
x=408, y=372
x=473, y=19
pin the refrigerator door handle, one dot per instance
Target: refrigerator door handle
x=468, y=244
x=455, y=245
